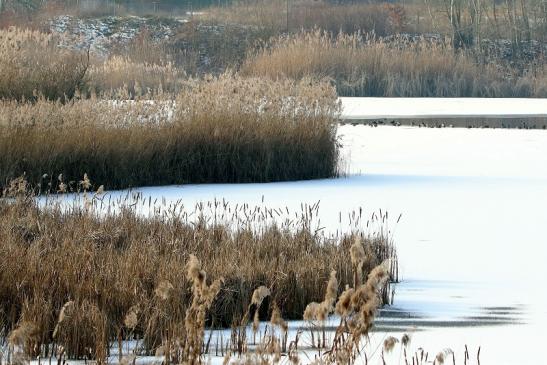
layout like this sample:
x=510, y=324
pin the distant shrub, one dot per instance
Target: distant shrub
x=213, y=47
x=272, y=15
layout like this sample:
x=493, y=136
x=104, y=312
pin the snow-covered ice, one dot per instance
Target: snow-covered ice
x=359, y=108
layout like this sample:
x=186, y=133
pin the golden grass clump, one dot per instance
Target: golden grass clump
x=80, y=330
x=367, y=66
x=357, y=308
x=218, y=129
x=32, y=65
x=83, y=281
x=343, y=305
x=365, y=301
x=25, y=333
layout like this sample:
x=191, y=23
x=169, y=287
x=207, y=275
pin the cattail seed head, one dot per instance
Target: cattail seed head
x=194, y=273
x=277, y=320
x=310, y=313
x=164, y=290
x=405, y=340
x=357, y=252
x=66, y=311
x=389, y=344
x=131, y=318
x=441, y=356
x=331, y=292
x=259, y=295
x=343, y=306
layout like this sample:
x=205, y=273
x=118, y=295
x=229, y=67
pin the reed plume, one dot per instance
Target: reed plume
x=320, y=311
x=259, y=294
x=202, y=298
x=389, y=344
x=357, y=253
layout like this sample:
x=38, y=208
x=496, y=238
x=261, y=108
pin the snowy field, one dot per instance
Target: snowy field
x=471, y=239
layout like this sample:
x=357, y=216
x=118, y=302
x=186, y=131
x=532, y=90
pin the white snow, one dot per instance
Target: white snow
x=471, y=237
x=358, y=108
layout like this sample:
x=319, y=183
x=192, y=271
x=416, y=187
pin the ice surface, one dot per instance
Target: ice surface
x=414, y=108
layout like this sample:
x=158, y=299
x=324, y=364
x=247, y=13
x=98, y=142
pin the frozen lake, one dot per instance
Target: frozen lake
x=471, y=239
x=360, y=108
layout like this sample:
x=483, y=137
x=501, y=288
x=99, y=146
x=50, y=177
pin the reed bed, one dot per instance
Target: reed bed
x=31, y=64
x=78, y=280
x=218, y=129
x=34, y=64
x=366, y=66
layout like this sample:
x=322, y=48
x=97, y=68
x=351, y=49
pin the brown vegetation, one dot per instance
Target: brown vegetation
x=138, y=79
x=213, y=47
x=225, y=129
x=32, y=65
x=83, y=280
x=467, y=21
x=382, y=19
x=360, y=66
